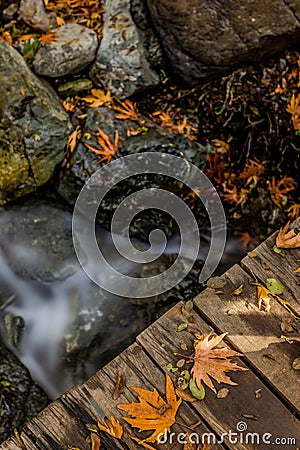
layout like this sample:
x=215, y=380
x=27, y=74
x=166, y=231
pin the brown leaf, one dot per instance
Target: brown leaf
x=223, y=393
x=72, y=140
x=239, y=290
x=113, y=427
x=120, y=384
x=185, y=395
x=210, y=362
x=95, y=441
x=152, y=412
x=287, y=239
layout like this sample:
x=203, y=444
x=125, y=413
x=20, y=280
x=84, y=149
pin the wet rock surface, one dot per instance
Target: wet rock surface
x=154, y=139
x=21, y=399
x=74, y=48
x=205, y=39
x=122, y=63
x=33, y=128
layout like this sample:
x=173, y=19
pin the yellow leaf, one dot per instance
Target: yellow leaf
x=152, y=412
x=98, y=98
x=263, y=297
x=210, y=362
x=113, y=427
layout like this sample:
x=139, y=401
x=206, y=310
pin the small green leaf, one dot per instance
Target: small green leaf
x=189, y=306
x=5, y=383
x=274, y=286
x=169, y=367
x=182, y=326
x=277, y=250
x=195, y=391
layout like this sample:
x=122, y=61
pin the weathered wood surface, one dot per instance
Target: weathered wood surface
x=256, y=333
x=266, y=397
x=267, y=413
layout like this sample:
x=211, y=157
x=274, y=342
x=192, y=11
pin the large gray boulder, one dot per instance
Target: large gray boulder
x=126, y=54
x=74, y=48
x=33, y=128
x=205, y=38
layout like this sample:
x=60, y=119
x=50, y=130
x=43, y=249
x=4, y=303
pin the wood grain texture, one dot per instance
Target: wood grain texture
x=255, y=333
x=161, y=341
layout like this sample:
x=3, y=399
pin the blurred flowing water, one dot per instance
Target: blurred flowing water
x=52, y=316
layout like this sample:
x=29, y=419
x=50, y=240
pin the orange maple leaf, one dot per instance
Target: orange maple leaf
x=178, y=127
x=69, y=104
x=27, y=37
x=72, y=140
x=109, y=148
x=48, y=38
x=252, y=171
x=127, y=110
x=233, y=196
x=113, y=427
x=98, y=98
x=152, y=412
x=293, y=108
x=287, y=239
x=210, y=362
x=294, y=211
x=218, y=162
x=280, y=188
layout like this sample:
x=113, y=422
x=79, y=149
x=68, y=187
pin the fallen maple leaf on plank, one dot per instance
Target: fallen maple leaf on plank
x=153, y=412
x=210, y=362
x=287, y=239
x=113, y=427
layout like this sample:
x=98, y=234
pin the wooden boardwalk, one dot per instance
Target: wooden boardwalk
x=266, y=399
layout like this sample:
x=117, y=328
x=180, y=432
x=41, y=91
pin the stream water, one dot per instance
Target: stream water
x=52, y=316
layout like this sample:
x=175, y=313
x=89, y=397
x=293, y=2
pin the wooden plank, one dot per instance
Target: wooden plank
x=161, y=340
x=279, y=267
x=256, y=333
x=139, y=371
